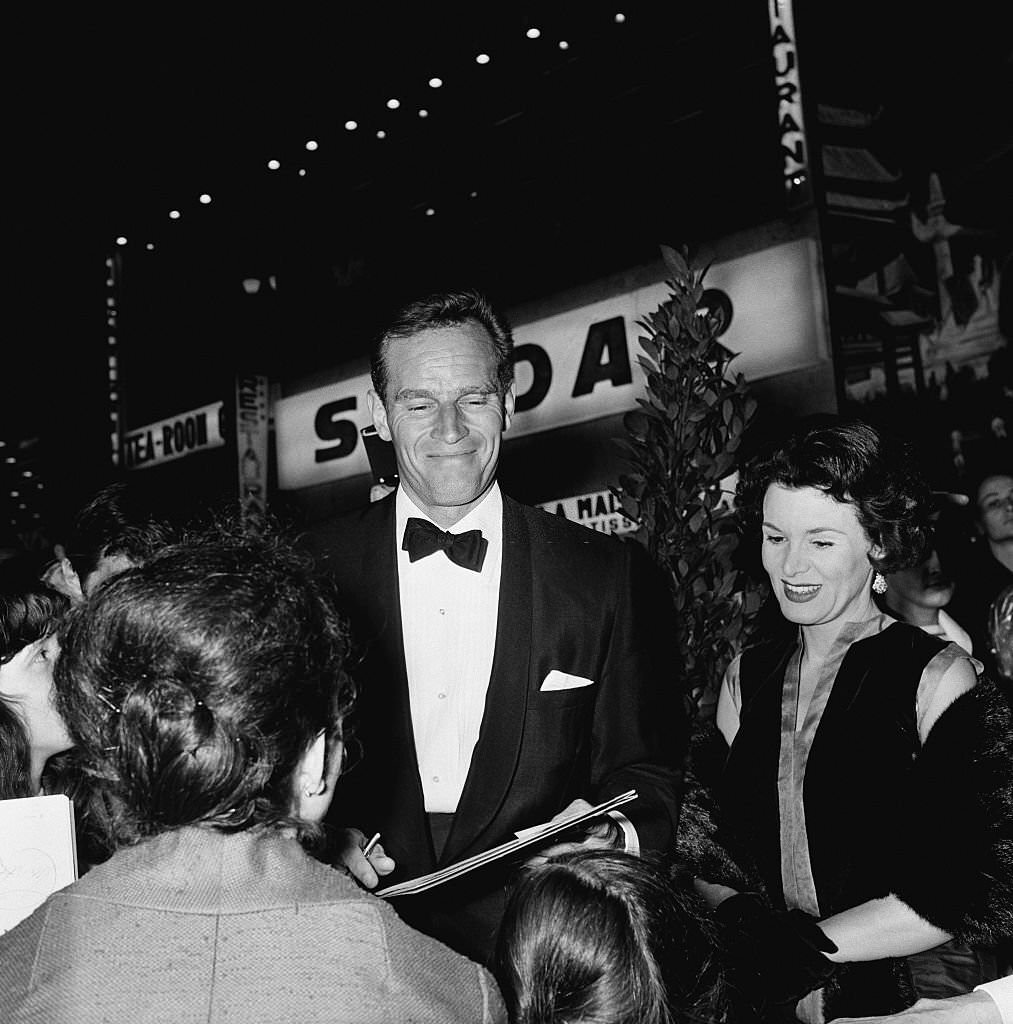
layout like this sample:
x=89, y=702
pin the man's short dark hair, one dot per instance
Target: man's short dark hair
x=446, y=309
x=115, y=521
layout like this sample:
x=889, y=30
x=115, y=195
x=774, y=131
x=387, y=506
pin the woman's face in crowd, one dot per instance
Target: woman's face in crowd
x=26, y=683
x=925, y=585
x=817, y=556
x=995, y=507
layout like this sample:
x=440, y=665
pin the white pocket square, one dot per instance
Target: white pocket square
x=557, y=680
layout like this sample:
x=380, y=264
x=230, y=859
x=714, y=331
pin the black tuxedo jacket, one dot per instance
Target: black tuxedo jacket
x=583, y=603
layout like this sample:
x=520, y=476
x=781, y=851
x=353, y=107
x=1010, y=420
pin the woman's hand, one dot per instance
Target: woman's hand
x=713, y=894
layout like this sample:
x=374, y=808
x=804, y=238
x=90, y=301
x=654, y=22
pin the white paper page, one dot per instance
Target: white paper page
x=37, y=853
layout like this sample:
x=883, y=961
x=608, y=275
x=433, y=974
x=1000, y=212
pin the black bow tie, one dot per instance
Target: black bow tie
x=466, y=549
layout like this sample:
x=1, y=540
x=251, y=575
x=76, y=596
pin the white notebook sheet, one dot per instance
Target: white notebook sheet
x=37, y=853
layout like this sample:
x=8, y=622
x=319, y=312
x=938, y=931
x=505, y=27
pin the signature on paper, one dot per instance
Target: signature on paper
x=27, y=877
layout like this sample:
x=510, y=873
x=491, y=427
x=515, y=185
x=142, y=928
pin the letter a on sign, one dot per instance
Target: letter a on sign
x=608, y=336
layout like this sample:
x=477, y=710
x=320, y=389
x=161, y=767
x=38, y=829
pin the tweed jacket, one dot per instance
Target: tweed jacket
x=196, y=925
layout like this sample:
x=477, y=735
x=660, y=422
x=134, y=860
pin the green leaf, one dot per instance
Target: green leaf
x=674, y=262
x=682, y=440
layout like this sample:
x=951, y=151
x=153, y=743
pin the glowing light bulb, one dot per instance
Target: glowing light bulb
x=174, y=215
x=435, y=83
x=122, y=240
x=351, y=125
x=204, y=198
x=393, y=104
x=312, y=145
x=482, y=58
x=533, y=33
x=273, y=165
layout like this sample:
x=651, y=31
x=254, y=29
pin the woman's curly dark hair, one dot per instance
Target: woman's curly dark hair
x=194, y=682
x=29, y=611
x=857, y=465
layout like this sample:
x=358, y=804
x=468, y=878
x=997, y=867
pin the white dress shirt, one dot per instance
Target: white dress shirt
x=1001, y=991
x=448, y=619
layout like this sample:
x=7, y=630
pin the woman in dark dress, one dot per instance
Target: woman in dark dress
x=868, y=774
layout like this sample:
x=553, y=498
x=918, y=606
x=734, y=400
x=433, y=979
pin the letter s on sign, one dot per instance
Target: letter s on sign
x=329, y=428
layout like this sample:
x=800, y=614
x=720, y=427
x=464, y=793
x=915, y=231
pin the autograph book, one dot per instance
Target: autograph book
x=529, y=837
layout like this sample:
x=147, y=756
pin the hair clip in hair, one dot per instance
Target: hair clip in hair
x=108, y=703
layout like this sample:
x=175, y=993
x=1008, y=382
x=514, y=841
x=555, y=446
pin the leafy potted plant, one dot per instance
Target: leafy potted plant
x=683, y=443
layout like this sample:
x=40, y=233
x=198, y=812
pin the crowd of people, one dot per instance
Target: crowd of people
x=236, y=708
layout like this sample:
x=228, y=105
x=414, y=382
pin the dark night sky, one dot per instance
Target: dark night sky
x=661, y=129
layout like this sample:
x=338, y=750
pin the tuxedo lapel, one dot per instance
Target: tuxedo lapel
x=389, y=706
x=494, y=759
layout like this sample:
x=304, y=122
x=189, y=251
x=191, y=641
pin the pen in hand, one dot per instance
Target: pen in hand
x=368, y=848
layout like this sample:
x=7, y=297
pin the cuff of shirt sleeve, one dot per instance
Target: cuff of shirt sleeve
x=631, y=841
x=1001, y=992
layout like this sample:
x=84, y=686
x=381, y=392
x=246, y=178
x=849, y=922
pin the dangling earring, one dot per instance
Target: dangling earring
x=879, y=584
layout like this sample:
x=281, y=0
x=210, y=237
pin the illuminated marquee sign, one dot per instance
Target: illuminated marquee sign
x=175, y=438
x=581, y=365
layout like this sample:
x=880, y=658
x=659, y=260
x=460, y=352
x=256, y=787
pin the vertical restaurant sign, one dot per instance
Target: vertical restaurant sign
x=174, y=438
x=582, y=365
x=784, y=49
x=251, y=441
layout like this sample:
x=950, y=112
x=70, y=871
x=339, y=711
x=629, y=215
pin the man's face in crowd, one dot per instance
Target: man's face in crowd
x=445, y=417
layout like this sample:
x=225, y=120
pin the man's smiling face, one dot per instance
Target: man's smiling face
x=444, y=414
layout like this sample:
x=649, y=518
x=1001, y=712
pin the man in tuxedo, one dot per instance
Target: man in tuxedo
x=515, y=667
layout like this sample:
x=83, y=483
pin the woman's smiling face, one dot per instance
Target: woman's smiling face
x=817, y=556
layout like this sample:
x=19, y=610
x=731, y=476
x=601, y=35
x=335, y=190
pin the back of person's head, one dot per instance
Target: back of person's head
x=116, y=528
x=29, y=612
x=195, y=682
x=856, y=464
x=603, y=937
x=440, y=310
